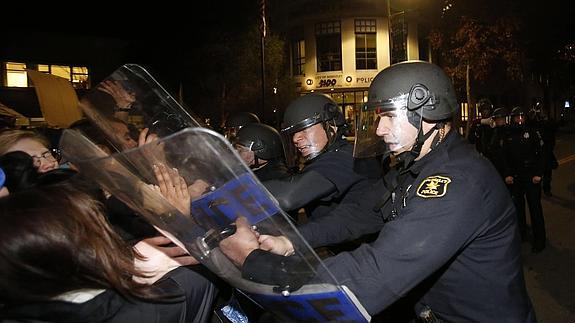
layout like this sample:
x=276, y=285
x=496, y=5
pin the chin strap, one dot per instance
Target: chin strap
x=406, y=158
x=257, y=165
x=332, y=139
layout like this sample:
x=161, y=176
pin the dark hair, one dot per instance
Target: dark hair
x=55, y=239
x=19, y=169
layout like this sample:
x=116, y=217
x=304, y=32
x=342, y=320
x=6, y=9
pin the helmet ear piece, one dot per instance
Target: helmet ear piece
x=330, y=111
x=419, y=95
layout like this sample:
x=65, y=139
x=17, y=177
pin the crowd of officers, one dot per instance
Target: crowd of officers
x=431, y=233
x=520, y=144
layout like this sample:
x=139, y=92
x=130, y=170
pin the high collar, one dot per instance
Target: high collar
x=418, y=165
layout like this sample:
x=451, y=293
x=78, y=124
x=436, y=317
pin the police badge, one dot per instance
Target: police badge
x=433, y=186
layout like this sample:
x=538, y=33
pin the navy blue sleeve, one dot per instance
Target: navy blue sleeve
x=410, y=248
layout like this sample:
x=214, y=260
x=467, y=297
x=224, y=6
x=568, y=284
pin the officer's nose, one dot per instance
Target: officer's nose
x=298, y=136
x=382, y=128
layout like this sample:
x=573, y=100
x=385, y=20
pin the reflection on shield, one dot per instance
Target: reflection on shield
x=367, y=143
x=219, y=189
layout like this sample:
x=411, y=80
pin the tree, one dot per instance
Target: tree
x=227, y=74
x=471, y=49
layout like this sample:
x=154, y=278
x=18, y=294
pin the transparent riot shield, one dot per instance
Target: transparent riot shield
x=367, y=143
x=219, y=189
x=126, y=102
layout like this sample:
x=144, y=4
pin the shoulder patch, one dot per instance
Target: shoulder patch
x=433, y=186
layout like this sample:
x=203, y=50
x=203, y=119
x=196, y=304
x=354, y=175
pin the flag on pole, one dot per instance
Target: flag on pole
x=263, y=25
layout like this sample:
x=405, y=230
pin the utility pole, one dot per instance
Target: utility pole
x=263, y=37
x=389, y=26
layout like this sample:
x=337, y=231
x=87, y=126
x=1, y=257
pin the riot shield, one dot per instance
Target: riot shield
x=129, y=100
x=367, y=143
x=220, y=188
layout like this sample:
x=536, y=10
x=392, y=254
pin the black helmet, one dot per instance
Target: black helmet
x=500, y=113
x=485, y=105
x=517, y=111
x=518, y=116
x=241, y=118
x=311, y=109
x=427, y=89
x=263, y=140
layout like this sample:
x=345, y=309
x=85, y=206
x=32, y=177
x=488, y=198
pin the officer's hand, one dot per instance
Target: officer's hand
x=278, y=245
x=536, y=179
x=509, y=180
x=239, y=245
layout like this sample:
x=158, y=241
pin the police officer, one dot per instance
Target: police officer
x=524, y=171
x=548, y=129
x=260, y=146
x=450, y=239
x=313, y=128
x=500, y=131
x=481, y=128
x=237, y=120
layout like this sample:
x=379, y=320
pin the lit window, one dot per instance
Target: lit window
x=464, y=111
x=43, y=68
x=298, y=54
x=80, y=78
x=328, y=43
x=365, y=44
x=61, y=71
x=16, y=75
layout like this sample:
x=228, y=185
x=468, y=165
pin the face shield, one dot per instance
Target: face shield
x=246, y=153
x=305, y=143
x=386, y=127
x=150, y=106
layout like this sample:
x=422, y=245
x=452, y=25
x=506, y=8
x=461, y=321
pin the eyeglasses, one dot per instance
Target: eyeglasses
x=49, y=155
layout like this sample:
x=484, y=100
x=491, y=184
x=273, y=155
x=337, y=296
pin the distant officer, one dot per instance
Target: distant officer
x=497, y=136
x=237, y=120
x=260, y=146
x=524, y=170
x=481, y=129
x=313, y=129
x=448, y=237
x=548, y=129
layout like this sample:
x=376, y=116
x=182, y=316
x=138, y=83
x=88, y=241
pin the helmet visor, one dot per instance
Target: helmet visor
x=385, y=127
x=304, y=144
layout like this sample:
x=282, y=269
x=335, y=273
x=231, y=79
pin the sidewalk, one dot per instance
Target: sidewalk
x=550, y=275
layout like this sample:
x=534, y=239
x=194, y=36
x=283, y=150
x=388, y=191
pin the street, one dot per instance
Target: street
x=550, y=275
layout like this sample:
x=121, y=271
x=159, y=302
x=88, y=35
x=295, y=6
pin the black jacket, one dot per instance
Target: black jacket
x=325, y=182
x=193, y=300
x=447, y=237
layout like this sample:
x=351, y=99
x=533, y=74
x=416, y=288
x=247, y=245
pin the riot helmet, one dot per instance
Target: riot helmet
x=400, y=98
x=311, y=123
x=263, y=140
x=499, y=116
x=485, y=107
x=237, y=120
x=518, y=116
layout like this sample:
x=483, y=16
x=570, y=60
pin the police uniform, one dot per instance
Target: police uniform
x=524, y=160
x=448, y=219
x=494, y=148
x=325, y=182
x=274, y=169
x=337, y=166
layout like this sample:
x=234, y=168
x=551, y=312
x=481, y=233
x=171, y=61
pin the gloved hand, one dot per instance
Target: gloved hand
x=159, y=259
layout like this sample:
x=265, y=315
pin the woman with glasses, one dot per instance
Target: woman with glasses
x=32, y=143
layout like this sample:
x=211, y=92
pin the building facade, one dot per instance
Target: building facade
x=337, y=47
